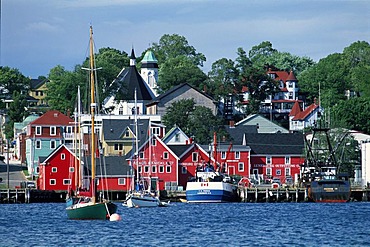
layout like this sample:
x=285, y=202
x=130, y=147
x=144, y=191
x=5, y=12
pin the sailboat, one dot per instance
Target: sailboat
x=140, y=194
x=88, y=207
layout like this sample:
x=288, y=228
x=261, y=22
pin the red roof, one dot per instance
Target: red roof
x=303, y=115
x=291, y=76
x=53, y=118
x=296, y=109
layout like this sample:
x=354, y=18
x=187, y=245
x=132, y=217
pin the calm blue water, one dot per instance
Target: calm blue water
x=229, y=224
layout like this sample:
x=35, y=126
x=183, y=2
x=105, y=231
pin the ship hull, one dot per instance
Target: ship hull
x=208, y=192
x=89, y=211
x=139, y=201
x=330, y=191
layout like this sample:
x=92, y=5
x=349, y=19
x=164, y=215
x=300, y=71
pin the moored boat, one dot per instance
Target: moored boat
x=210, y=186
x=320, y=171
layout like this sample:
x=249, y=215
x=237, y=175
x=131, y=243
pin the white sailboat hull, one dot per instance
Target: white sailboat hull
x=142, y=200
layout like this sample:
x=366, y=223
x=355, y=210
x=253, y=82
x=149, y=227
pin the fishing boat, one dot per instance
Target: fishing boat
x=210, y=184
x=87, y=207
x=140, y=194
x=320, y=172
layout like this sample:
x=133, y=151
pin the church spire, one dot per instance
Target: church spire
x=132, y=58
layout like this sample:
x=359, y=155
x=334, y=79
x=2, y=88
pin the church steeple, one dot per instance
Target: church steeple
x=132, y=58
x=149, y=70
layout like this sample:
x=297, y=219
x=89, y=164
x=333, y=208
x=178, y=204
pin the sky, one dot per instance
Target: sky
x=37, y=35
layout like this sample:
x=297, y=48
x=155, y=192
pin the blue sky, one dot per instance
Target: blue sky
x=37, y=35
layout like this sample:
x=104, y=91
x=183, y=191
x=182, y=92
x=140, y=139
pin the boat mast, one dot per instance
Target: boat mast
x=136, y=141
x=92, y=111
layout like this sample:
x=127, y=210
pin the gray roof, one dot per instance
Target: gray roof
x=236, y=133
x=114, y=129
x=179, y=150
x=114, y=165
x=276, y=143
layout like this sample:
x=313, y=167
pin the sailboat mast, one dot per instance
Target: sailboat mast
x=136, y=140
x=79, y=139
x=92, y=111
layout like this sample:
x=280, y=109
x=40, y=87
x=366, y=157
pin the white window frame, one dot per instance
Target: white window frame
x=223, y=155
x=121, y=181
x=268, y=171
x=168, y=169
x=241, y=166
x=268, y=160
x=161, y=169
x=278, y=172
x=38, y=130
x=141, y=155
x=194, y=157
x=71, y=169
x=52, y=181
x=287, y=171
x=154, y=169
x=287, y=160
x=54, y=169
x=62, y=156
x=140, y=169
x=146, y=169
x=53, y=130
x=37, y=144
x=53, y=144
x=165, y=155
x=237, y=155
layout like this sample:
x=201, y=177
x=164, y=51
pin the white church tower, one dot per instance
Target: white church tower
x=149, y=71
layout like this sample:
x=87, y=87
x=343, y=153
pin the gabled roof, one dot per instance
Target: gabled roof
x=53, y=117
x=44, y=160
x=304, y=114
x=114, y=129
x=264, y=125
x=173, y=89
x=171, y=131
x=115, y=166
x=291, y=76
x=296, y=109
x=237, y=133
x=181, y=150
x=276, y=143
x=36, y=83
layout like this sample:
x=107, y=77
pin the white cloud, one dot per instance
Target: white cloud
x=42, y=26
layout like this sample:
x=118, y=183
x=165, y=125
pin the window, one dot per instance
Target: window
x=38, y=130
x=287, y=160
x=141, y=155
x=127, y=133
x=69, y=129
x=177, y=137
x=38, y=144
x=140, y=169
x=154, y=142
x=241, y=167
x=154, y=169
x=165, y=155
x=268, y=171
x=287, y=171
x=54, y=169
x=146, y=169
x=52, y=182
x=53, y=130
x=155, y=130
x=278, y=172
x=223, y=155
x=37, y=170
x=268, y=159
x=195, y=157
x=161, y=169
x=62, y=156
x=255, y=171
x=184, y=170
x=168, y=169
x=122, y=181
x=52, y=144
x=120, y=111
x=118, y=146
x=237, y=155
x=71, y=169
x=67, y=182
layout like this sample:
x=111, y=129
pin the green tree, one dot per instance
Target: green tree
x=178, y=113
x=178, y=62
x=12, y=80
x=17, y=112
x=222, y=79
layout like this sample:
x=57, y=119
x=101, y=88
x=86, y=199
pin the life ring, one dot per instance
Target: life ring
x=275, y=185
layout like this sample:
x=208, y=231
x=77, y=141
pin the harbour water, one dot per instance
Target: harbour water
x=181, y=224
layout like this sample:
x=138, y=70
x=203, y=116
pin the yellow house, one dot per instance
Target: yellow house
x=38, y=90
